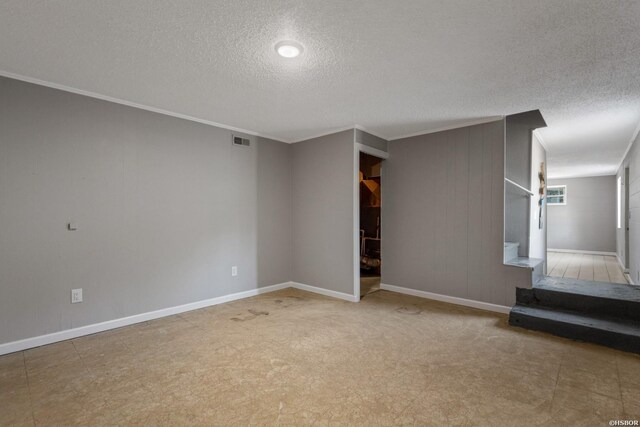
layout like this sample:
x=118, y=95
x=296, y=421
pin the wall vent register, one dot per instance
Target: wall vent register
x=237, y=140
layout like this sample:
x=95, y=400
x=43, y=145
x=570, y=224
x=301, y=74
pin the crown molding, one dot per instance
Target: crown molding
x=456, y=126
x=120, y=101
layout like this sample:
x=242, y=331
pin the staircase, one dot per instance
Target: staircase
x=602, y=313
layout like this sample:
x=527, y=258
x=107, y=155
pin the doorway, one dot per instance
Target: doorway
x=586, y=217
x=370, y=205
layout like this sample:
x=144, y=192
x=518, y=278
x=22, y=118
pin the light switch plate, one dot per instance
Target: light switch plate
x=76, y=296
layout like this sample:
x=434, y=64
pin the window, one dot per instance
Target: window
x=557, y=195
x=619, y=193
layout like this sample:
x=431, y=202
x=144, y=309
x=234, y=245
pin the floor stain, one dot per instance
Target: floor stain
x=409, y=309
x=252, y=315
x=288, y=301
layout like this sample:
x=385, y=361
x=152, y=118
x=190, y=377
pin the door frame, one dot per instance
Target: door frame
x=357, y=149
x=626, y=219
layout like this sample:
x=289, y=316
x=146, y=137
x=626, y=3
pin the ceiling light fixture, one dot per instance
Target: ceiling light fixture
x=288, y=49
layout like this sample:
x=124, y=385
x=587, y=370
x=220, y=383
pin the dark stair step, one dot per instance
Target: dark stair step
x=611, y=332
x=596, y=298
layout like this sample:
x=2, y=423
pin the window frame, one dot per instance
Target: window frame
x=564, y=195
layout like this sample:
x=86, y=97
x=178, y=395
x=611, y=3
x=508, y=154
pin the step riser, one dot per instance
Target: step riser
x=537, y=273
x=611, y=339
x=580, y=303
x=510, y=252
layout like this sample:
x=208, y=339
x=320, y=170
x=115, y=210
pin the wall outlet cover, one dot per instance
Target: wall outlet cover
x=234, y=270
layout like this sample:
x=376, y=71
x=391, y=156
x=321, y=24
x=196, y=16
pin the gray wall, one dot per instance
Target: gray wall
x=323, y=212
x=632, y=161
x=588, y=220
x=442, y=216
x=517, y=204
x=164, y=208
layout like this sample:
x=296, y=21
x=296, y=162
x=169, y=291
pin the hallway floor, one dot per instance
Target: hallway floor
x=296, y=358
x=369, y=284
x=599, y=268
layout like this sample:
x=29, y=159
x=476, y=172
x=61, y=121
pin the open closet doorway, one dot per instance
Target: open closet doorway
x=370, y=187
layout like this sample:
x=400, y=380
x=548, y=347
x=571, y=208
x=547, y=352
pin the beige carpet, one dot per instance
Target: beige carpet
x=294, y=358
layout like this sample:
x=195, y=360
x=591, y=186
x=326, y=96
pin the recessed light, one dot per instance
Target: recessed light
x=288, y=49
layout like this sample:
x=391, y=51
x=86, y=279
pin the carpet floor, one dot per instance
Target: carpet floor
x=296, y=358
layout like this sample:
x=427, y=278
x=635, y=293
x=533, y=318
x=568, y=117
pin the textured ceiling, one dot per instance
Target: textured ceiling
x=396, y=68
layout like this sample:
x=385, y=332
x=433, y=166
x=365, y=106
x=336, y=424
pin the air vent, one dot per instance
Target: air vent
x=237, y=140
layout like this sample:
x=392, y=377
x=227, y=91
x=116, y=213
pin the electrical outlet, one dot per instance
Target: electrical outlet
x=234, y=270
x=76, y=296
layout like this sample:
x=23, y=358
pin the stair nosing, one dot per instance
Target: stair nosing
x=543, y=286
x=627, y=324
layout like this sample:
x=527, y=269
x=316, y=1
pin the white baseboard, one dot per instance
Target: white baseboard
x=622, y=266
x=445, y=298
x=38, y=341
x=578, y=251
x=326, y=292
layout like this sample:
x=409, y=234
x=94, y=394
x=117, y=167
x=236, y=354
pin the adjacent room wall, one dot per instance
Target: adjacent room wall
x=588, y=221
x=323, y=212
x=443, y=213
x=631, y=161
x=164, y=207
x=537, y=235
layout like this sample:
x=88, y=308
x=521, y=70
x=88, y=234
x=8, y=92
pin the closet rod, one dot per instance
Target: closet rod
x=519, y=186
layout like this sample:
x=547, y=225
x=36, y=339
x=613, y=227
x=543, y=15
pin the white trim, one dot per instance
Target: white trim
x=364, y=129
x=504, y=189
x=625, y=270
x=133, y=104
x=633, y=139
x=340, y=129
x=448, y=299
x=529, y=192
x=320, y=135
x=325, y=292
x=356, y=218
x=579, y=251
x=68, y=334
x=223, y=126
x=371, y=151
x=456, y=126
x=357, y=149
